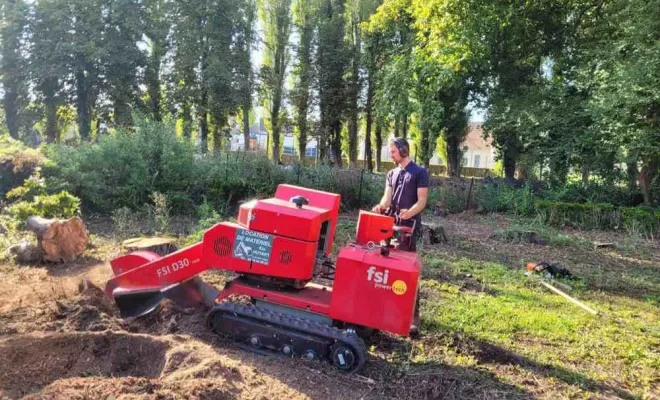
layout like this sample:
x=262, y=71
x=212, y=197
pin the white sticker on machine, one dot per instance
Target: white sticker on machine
x=253, y=246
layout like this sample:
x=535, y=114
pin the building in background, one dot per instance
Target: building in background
x=477, y=151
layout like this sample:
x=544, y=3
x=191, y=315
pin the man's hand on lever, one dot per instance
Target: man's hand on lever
x=406, y=214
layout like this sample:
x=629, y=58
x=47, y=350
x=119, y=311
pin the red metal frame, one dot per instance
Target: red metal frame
x=313, y=298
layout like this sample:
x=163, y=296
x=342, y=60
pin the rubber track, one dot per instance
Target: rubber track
x=302, y=325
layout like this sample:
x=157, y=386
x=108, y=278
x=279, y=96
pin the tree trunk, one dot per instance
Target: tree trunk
x=11, y=109
x=396, y=127
x=355, y=94
x=50, y=103
x=633, y=174
x=521, y=171
x=302, y=139
x=336, y=144
x=60, y=240
x=379, y=144
x=11, y=68
x=122, y=110
x=585, y=175
x=186, y=117
x=646, y=175
x=454, y=157
x=82, y=98
x=369, y=120
x=216, y=138
x=509, y=161
x=246, y=126
x=153, y=81
x=204, y=130
x=204, y=124
x=426, y=149
x=353, y=139
x=405, y=127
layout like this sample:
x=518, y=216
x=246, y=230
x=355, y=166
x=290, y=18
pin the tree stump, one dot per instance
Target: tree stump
x=433, y=234
x=158, y=245
x=60, y=240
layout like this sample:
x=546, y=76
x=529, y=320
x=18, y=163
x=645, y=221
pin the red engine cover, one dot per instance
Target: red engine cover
x=283, y=218
x=376, y=291
x=230, y=246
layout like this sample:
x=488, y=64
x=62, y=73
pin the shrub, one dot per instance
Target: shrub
x=32, y=186
x=159, y=213
x=504, y=197
x=600, y=216
x=17, y=163
x=60, y=205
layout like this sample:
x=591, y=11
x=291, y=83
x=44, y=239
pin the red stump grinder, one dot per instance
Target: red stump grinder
x=276, y=248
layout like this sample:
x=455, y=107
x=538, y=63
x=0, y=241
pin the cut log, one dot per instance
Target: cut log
x=433, y=234
x=158, y=245
x=60, y=240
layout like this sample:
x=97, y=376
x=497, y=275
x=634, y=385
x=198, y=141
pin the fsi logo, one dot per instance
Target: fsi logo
x=377, y=277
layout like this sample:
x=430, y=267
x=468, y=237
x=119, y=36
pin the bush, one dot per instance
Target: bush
x=600, y=216
x=17, y=163
x=593, y=192
x=504, y=197
x=122, y=170
x=60, y=205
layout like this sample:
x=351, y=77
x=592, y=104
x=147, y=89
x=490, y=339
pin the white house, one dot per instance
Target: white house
x=477, y=152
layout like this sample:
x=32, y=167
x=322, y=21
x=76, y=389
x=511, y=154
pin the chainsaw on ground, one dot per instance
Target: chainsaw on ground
x=275, y=249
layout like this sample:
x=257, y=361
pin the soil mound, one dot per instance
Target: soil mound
x=33, y=361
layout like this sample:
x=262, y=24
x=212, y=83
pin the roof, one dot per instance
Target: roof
x=474, y=139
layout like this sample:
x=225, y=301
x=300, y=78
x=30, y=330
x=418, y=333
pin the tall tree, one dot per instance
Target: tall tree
x=356, y=14
x=14, y=80
x=245, y=39
x=276, y=17
x=303, y=19
x=331, y=65
x=87, y=30
x=121, y=58
x=182, y=80
x=221, y=81
x=372, y=61
x=50, y=59
x=157, y=26
x=623, y=53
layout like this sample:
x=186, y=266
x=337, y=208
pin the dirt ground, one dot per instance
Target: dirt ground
x=62, y=340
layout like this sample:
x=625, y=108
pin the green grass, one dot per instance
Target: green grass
x=540, y=330
x=519, y=233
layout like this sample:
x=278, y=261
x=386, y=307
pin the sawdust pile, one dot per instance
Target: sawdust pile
x=79, y=348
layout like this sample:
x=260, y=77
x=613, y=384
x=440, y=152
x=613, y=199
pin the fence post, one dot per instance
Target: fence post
x=298, y=173
x=360, y=191
x=467, y=202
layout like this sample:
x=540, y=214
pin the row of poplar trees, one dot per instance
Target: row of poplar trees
x=568, y=86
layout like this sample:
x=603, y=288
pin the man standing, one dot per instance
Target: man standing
x=406, y=191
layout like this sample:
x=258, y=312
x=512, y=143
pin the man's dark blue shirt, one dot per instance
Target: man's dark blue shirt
x=404, y=183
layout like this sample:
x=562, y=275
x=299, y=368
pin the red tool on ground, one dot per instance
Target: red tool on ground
x=276, y=248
